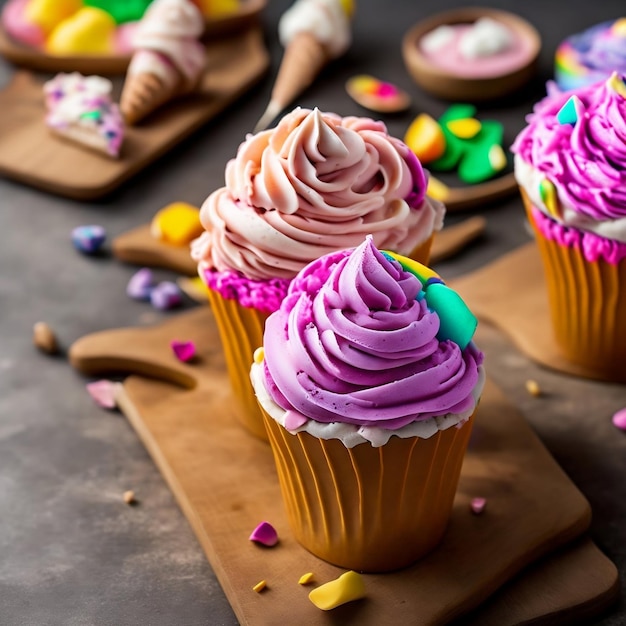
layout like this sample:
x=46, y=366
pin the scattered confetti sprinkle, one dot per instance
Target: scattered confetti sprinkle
x=265, y=534
x=305, y=579
x=166, y=295
x=260, y=586
x=103, y=393
x=619, y=419
x=183, y=350
x=346, y=588
x=129, y=497
x=533, y=388
x=44, y=338
x=140, y=284
x=88, y=239
x=477, y=505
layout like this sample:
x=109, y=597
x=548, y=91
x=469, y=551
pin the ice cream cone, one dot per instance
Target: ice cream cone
x=303, y=60
x=143, y=93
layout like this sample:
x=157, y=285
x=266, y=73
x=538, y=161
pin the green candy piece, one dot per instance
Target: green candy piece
x=456, y=322
x=469, y=156
x=121, y=10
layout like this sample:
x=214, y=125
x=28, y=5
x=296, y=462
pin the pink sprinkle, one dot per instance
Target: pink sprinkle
x=265, y=534
x=184, y=350
x=387, y=90
x=619, y=419
x=294, y=420
x=103, y=393
x=478, y=505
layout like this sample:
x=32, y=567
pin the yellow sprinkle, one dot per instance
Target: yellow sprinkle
x=129, y=497
x=425, y=138
x=619, y=27
x=465, y=128
x=346, y=588
x=259, y=586
x=437, y=190
x=259, y=355
x=348, y=7
x=177, y=223
x=195, y=288
x=497, y=158
x=548, y=194
x=532, y=386
x=305, y=579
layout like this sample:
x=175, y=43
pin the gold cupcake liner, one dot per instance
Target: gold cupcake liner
x=421, y=252
x=241, y=333
x=587, y=302
x=365, y=508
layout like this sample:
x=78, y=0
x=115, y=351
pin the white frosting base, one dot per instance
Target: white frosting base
x=529, y=178
x=352, y=435
x=324, y=19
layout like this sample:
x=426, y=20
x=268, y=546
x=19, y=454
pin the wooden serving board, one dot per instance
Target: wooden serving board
x=29, y=153
x=139, y=247
x=107, y=64
x=519, y=307
x=225, y=482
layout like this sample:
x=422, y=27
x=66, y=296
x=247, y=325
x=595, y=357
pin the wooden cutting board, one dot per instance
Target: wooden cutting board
x=139, y=247
x=30, y=154
x=225, y=482
x=519, y=307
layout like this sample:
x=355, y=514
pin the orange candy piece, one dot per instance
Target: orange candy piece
x=425, y=138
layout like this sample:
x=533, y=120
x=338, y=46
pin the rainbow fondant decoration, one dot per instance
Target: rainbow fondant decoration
x=456, y=322
x=592, y=55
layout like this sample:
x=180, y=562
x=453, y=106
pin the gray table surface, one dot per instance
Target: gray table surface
x=71, y=553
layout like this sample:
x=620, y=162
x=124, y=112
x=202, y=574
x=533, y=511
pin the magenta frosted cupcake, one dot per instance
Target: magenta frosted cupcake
x=315, y=184
x=570, y=163
x=368, y=380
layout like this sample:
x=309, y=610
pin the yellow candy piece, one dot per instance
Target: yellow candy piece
x=425, y=138
x=465, y=128
x=497, y=158
x=437, y=190
x=219, y=8
x=348, y=7
x=48, y=14
x=305, y=579
x=346, y=588
x=617, y=84
x=259, y=355
x=177, y=223
x=88, y=31
x=259, y=586
x=619, y=27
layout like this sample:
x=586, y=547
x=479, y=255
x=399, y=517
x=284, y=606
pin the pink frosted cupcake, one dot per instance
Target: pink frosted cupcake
x=570, y=164
x=315, y=184
x=368, y=380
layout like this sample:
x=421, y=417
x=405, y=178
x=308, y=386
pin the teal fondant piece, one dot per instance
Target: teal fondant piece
x=456, y=322
x=568, y=113
x=121, y=10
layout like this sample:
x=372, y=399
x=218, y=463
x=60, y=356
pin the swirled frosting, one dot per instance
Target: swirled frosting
x=574, y=169
x=315, y=184
x=326, y=20
x=352, y=353
x=592, y=55
x=171, y=29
